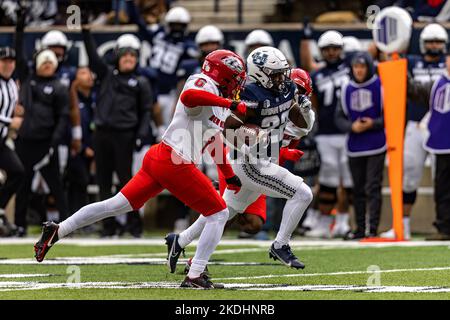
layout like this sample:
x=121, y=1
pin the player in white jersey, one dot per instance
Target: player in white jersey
x=171, y=164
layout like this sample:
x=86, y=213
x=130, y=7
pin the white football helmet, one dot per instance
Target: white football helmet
x=55, y=38
x=258, y=36
x=330, y=38
x=209, y=33
x=266, y=62
x=177, y=15
x=128, y=40
x=351, y=44
x=432, y=32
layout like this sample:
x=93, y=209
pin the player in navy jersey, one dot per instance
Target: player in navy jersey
x=425, y=69
x=271, y=100
x=170, y=46
x=334, y=170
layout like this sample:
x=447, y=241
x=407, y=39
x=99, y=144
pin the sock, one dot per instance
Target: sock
x=209, y=239
x=342, y=218
x=94, y=212
x=406, y=225
x=292, y=213
x=192, y=233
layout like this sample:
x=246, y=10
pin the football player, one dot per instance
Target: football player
x=271, y=96
x=334, y=171
x=170, y=46
x=201, y=112
x=425, y=68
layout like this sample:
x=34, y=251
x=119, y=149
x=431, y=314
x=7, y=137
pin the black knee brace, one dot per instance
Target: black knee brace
x=409, y=197
x=329, y=191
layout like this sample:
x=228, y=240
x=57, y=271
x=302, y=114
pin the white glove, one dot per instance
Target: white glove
x=306, y=110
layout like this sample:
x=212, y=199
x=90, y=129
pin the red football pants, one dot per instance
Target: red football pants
x=183, y=180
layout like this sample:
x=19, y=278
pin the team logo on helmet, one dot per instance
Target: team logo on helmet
x=259, y=58
x=233, y=63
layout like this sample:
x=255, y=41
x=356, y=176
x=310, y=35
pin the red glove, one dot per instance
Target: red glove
x=238, y=106
x=234, y=183
x=289, y=154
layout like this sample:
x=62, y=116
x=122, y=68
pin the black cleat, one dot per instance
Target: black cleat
x=48, y=237
x=173, y=251
x=187, y=267
x=285, y=255
x=202, y=282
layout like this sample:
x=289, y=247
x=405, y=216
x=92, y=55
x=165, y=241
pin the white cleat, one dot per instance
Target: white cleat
x=390, y=234
x=312, y=218
x=340, y=230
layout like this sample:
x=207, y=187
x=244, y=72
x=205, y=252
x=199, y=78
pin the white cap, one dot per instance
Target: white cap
x=54, y=38
x=44, y=56
x=209, y=33
x=128, y=40
x=259, y=36
x=330, y=38
x=178, y=15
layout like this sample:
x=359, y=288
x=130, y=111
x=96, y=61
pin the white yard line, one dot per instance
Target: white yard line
x=295, y=275
x=24, y=275
x=230, y=242
x=16, y=286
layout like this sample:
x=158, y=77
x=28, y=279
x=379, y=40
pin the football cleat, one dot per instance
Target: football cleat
x=173, y=251
x=285, y=255
x=48, y=237
x=202, y=282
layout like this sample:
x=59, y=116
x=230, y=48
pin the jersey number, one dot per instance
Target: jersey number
x=164, y=60
x=276, y=122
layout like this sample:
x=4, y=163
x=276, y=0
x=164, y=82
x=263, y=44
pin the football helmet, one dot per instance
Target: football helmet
x=302, y=80
x=269, y=67
x=227, y=70
x=177, y=20
x=209, y=33
x=433, y=32
x=258, y=37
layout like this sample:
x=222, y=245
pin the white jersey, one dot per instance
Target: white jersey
x=192, y=129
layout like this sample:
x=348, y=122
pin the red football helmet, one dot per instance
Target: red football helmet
x=227, y=69
x=303, y=81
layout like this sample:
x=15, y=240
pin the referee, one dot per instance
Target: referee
x=9, y=161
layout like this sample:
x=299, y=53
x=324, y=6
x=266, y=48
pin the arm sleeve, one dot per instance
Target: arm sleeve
x=61, y=109
x=145, y=104
x=192, y=98
x=95, y=62
x=341, y=120
x=21, y=61
x=136, y=18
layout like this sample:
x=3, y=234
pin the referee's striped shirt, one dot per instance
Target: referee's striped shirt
x=8, y=100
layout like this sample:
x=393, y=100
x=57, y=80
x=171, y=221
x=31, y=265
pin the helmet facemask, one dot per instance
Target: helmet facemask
x=277, y=79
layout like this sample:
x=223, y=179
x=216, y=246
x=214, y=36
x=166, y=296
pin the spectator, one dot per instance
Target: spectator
x=9, y=161
x=46, y=104
x=121, y=119
x=361, y=115
x=83, y=97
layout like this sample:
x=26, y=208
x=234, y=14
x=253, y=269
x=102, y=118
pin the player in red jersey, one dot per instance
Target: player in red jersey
x=204, y=104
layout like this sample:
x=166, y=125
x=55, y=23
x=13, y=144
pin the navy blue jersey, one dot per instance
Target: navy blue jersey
x=327, y=84
x=424, y=72
x=271, y=108
x=66, y=74
x=167, y=55
x=167, y=52
x=188, y=68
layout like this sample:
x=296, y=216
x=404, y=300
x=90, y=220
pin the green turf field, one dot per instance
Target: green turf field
x=334, y=270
